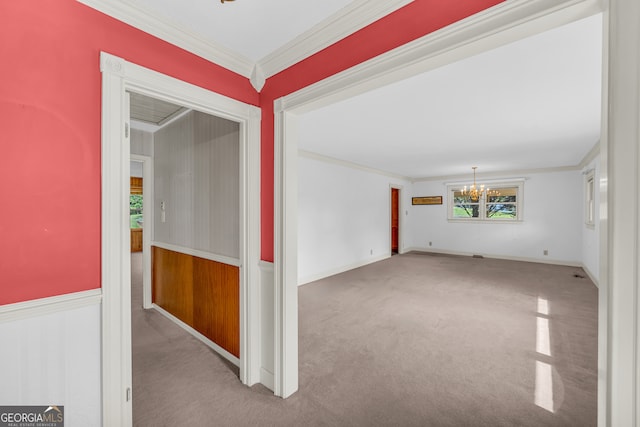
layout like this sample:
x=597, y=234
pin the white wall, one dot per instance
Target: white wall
x=552, y=220
x=141, y=142
x=197, y=175
x=591, y=234
x=54, y=359
x=343, y=217
x=135, y=169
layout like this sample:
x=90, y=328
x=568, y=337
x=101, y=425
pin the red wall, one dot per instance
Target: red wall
x=50, y=133
x=413, y=21
x=50, y=137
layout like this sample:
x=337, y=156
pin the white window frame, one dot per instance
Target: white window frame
x=590, y=199
x=494, y=185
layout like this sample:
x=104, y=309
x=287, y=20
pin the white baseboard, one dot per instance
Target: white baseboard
x=43, y=306
x=342, y=269
x=215, y=347
x=266, y=378
x=493, y=256
x=591, y=276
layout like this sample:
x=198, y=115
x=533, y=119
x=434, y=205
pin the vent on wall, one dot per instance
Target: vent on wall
x=153, y=111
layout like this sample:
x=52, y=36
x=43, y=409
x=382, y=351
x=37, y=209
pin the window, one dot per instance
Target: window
x=590, y=204
x=135, y=210
x=501, y=202
x=135, y=202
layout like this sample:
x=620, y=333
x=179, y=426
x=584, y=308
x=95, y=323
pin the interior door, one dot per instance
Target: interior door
x=394, y=220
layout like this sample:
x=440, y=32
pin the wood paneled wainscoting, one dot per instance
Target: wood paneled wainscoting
x=202, y=293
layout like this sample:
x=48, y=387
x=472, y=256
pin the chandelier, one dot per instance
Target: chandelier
x=474, y=193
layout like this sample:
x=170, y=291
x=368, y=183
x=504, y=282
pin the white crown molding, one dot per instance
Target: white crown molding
x=592, y=154
x=44, y=306
x=341, y=24
x=500, y=175
x=176, y=35
x=493, y=27
x=258, y=78
x=357, y=15
x=351, y=165
x=485, y=177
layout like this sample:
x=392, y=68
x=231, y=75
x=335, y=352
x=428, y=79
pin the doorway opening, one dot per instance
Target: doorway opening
x=120, y=78
x=193, y=243
x=288, y=130
x=395, y=215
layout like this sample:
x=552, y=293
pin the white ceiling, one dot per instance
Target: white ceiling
x=532, y=104
x=252, y=28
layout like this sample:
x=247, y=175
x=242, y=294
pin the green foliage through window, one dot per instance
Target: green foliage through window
x=502, y=205
x=135, y=210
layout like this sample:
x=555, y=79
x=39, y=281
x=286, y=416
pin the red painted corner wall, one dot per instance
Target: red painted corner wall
x=50, y=133
x=50, y=137
x=415, y=20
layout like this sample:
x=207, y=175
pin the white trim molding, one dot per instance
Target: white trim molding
x=118, y=77
x=427, y=250
x=267, y=307
x=48, y=305
x=402, y=217
x=179, y=36
x=355, y=16
x=198, y=253
x=487, y=177
x=620, y=181
x=342, y=269
x=347, y=164
x=285, y=264
x=209, y=343
x=147, y=233
x=502, y=24
x=592, y=154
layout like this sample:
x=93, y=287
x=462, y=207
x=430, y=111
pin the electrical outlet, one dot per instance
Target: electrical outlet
x=429, y=243
x=545, y=252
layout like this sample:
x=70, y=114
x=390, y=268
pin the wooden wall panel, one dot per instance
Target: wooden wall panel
x=136, y=240
x=212, y=289
x=172, y=283
x=135, y=185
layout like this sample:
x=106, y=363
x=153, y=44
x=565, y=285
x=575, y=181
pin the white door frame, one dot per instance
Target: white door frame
x=118, y=77
x=147, y=229
x=497, y=26
x=401, y=216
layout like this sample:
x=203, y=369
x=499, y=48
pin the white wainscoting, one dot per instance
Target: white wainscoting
x=50, y=355
x=267, y=366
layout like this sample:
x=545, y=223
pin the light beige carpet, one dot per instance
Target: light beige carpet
x=415, y=340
